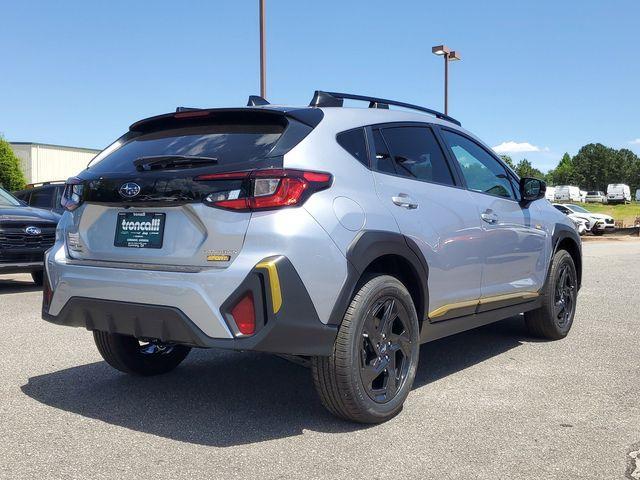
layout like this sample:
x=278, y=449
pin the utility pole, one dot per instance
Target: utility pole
x=263, y=53
x=449, y=56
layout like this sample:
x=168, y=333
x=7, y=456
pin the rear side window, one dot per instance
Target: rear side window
x=42, y=198
x=416, y=154
x=353, y=141
x=383, y=160
x=482, y=172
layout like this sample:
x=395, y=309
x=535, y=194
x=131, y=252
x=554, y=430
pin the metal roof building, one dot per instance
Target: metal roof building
x=43, y=162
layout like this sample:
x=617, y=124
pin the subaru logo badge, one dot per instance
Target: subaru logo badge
x=32, y=230
x=129, y=190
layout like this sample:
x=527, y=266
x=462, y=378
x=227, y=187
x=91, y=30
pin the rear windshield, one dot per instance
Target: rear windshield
x=235, y=145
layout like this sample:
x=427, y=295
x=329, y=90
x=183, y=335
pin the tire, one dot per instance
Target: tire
x=379, y=334
x=597, y=233
x=128, y=355
x=38, y=277
x=554, y=318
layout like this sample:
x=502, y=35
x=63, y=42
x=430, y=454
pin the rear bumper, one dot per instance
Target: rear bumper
x=287, y=335
x=190, y=308
x=21, y=267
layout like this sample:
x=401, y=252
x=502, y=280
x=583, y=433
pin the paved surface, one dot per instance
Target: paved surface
x=487, y=404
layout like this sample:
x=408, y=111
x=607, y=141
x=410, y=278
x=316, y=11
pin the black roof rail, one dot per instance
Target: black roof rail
x=336, y=99
x=256, y=100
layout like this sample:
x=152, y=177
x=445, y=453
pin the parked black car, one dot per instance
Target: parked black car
x=43, y=195
x=25, y=234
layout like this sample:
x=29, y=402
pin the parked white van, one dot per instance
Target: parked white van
x=550, y=193
x=618, y=193
x=567, y=193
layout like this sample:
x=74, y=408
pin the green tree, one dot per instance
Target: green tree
x=11, y=177
x=630, y=166
x=525, y=169
x=563, y=174
x=595, y=166
x=507, y=159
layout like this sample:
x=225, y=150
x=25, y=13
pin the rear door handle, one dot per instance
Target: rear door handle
x=489, y=217
x=405, y=201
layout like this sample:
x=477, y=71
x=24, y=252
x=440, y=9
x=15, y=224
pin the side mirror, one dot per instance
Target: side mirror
x=532, y=189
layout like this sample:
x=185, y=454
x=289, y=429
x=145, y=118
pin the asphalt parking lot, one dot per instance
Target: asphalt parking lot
x=491, y=403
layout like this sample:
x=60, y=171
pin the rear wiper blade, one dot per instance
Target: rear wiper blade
x=164, y=161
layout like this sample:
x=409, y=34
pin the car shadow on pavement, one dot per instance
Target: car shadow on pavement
x=17, y=286
x=222, y=398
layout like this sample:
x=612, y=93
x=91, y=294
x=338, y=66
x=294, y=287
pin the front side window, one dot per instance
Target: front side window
x=482, y=172
x=415, y=153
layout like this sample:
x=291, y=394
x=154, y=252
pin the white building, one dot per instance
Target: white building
x=41, y=162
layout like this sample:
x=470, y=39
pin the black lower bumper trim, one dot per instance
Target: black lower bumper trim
x=168, y=324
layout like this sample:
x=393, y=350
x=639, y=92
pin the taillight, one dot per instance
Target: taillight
x=72, y=194
x=244, y=315
x=265, y=189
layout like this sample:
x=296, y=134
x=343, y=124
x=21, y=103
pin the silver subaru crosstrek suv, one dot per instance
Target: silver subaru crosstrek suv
x=345, y=236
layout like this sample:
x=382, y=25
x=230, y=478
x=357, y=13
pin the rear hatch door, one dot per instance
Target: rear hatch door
x=142, y=197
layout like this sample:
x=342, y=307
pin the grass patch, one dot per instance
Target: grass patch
x=627, y=213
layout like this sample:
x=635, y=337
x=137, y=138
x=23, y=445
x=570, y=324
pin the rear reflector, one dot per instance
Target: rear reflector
x=47, y=293
x=244, y=315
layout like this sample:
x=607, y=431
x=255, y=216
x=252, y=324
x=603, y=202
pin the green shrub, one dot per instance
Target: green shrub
x=11, y=177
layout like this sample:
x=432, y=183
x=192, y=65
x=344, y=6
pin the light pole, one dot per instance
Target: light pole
x=449, y=56
x=263, y=54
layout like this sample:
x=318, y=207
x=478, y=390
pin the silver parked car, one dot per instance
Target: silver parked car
x=596, y=196
x=347, y=236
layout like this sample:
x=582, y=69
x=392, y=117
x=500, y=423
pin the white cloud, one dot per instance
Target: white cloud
x=515, y=147
x=635, y=142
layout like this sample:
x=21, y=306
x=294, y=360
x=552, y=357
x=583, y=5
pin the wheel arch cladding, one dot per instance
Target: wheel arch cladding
x=566, y=238
x=390, y=253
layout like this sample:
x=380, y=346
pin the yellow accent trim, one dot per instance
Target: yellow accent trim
x=443, y=310
x=438, y=312
x=274, y=283
x=218, y=258
x=508, y=296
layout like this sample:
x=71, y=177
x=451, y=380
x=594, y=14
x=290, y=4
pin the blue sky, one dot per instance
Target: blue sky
x=548, y=76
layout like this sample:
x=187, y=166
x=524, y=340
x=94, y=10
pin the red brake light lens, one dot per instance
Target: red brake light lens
x=72, y=194
x=244, y=315
x=266, y=189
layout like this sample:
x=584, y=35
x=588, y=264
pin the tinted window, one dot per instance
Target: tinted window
x=42, y=198
x=562, y=209
x=21, y=195
x=416, y=154
x=7, y=200
x=238, y=146
x=383, y=161
x=482, y=172
x=354, y=142
x=58, y=198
